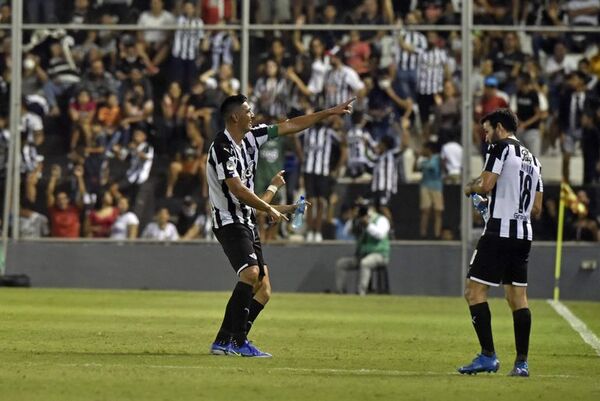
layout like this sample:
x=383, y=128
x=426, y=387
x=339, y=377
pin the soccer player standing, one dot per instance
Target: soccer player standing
x=231, y=166
x=512, y=181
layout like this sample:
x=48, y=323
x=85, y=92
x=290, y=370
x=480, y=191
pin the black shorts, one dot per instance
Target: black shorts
x=318, y=186
x=242, y=247
x=500, y=260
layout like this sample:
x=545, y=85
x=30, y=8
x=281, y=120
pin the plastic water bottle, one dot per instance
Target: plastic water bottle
x=481, y=204
x=298, y=218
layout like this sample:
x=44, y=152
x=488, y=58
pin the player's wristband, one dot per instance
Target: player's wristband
x=272, y=188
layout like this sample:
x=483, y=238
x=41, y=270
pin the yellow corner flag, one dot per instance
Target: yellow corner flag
x=569, y=199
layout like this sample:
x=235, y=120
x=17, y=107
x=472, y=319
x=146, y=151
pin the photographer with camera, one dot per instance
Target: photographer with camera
x=372, y=247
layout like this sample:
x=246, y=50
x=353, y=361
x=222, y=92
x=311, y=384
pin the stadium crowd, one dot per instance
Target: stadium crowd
x=116, y=126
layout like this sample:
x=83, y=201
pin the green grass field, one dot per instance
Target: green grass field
x=146, y=345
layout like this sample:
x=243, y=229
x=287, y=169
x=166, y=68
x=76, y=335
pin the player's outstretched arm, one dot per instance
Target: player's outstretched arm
x=303, y=122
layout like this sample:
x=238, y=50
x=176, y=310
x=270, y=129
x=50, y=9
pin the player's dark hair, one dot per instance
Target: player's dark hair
x=507, y=118
x=231, y=104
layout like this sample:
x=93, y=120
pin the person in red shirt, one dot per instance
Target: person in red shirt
x=81, y=112
x=491, y=100
x=357, y=53
x=64, y=215
x=100, y=220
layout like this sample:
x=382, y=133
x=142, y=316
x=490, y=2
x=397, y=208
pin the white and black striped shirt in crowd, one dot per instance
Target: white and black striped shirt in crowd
x=226, y=159
x=430, y=71
x=221, y=45
x=385, y=172
x=405, y=60
x=360, y=143
x=317, y=146
x=511, y=199
x=340, y=85
x=186, y=42
x=30, y=124
x=59, y=71
x=139, y=167
x=270, y=97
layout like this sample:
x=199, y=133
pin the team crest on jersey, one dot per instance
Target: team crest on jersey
x=248, y=172
x=231, y=163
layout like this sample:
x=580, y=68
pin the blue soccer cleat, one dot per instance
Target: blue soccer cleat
x=246, y=349
x=219, y=348
x=481, y=363
x=520, y=369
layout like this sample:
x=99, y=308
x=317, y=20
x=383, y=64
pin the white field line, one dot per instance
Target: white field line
x=348, y=372
x=579, y=326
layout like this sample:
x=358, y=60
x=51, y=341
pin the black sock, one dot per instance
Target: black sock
x=522, y=324
x=254, y=309
x=482, y=322
x=235, y=311
x=240, y=299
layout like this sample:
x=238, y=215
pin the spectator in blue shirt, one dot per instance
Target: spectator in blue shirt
x=431, y=197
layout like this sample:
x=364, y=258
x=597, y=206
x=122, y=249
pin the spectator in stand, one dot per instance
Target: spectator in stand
x=452, y=154
x=186, y=46
x=582, y=13
x=162, y=229
x=431, y=195
x=270, y=95
x=357, y=53
x=82, y=111
x=360, y=143
x=127, y=223
x=100, y=220
x=495, y=12
x=580, y=222
x=529, y=113
x=368, y=13
x=138, y=109
x=572, y=106
x=224, y=84
x=40, y=11
x=319, y=67
x=61, y=76
x=154, y=44
x=31, y=223
x=63, y=214
x=590, y=140
x=314, y=148
x=508, y=63
x=432, y=71
x=386, y=175
x=340, y=82
x=221, y=46
x=447, y=112
x=173, y=107
x=141, y=156
x=329, y=16
x=491, y=100
x=215, y=11
x=277, y=52
x=406, y=61
x=31, y=128
x=187, y=163
x=188, y=214
x=33, y=75
x=99, y=82
x=273, y=12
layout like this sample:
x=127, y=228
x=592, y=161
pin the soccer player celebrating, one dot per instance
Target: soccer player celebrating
x=512, y=181
x=231, y=166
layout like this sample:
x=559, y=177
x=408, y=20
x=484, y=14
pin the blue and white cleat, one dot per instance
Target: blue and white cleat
x=481, y=363
x=218, y=348
x=247, y=349
x=520, y=369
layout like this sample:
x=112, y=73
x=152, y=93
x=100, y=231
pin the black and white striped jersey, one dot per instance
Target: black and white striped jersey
x=340, y=85
x=221, y=48
x=186, y=42
x=31, y=124
x=226, y=159
x=360, y=143
x=59, y=70
x=270, y=97
x=318, y=144
x=139, y=167
x=430, y=71
x=385, y=171
x=511, y=200
x=405, y=60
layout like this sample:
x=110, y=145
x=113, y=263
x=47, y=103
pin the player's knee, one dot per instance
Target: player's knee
x=250, y=275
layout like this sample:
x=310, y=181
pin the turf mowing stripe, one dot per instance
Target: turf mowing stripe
x=579, y=326
x=359, y=372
